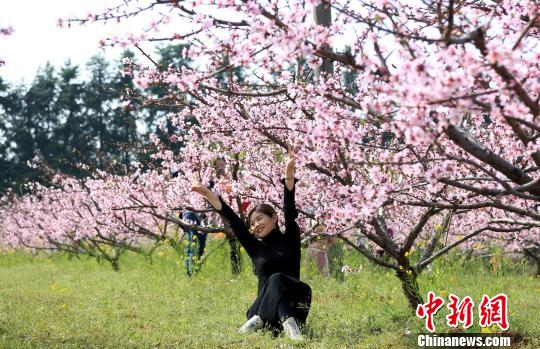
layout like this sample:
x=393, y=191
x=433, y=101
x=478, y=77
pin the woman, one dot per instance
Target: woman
x=282, y=299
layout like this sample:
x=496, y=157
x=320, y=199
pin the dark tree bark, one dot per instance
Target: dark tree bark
x=410, y=287
x=322, y=15
x=533, y=252
x=235, y=254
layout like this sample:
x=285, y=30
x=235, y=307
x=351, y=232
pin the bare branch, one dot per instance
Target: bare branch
x=425, y=263
x=482, y=153
x=413, y=234
x=524, y=32
x=366, y=253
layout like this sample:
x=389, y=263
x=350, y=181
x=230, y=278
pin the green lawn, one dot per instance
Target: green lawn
x=56, y=302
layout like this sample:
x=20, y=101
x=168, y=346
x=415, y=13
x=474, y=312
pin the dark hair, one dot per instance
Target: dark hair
x=262, y=208
x=214, y=162
x=176, y=173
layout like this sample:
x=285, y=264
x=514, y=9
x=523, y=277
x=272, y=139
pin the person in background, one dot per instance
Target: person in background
x=196, y=241
x=224, y=181
x=327, y=255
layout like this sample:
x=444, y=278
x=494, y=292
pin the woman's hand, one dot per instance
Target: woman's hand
x=212, y=198
x=290, y=168
x=197, y=187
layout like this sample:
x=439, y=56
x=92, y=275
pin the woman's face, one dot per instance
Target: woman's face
x=262, y=224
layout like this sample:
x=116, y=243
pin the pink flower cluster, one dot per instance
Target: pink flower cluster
x=421, y=114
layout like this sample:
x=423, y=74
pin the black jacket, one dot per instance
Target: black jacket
x=278, y=252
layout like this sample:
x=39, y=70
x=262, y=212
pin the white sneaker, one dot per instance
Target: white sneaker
x=291, y=329
x=252, y=325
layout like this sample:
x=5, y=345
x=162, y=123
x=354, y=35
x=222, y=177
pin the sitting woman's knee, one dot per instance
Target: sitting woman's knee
x=277, y=277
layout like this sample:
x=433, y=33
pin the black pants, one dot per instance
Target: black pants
x=280, y=294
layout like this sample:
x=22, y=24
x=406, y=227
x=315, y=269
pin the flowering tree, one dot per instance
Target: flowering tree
x=5, y=31
x=427, y=128
x=101, y=217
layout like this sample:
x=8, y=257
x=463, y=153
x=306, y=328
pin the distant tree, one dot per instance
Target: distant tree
x=70, y=144
x=30, y=121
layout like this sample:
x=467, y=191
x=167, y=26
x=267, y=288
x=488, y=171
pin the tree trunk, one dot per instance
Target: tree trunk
x=535, y=258
x=235, y=256
x=234, y=244
x=335, y=260
x=410, y=287
x=322, y=15
x=114, y=263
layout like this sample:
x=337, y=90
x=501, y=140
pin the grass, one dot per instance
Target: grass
x=60, y=302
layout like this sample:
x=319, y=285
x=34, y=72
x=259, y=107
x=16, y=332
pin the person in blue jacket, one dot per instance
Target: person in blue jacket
x=196, y=240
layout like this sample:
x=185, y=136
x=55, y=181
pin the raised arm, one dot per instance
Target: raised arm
x=237, y=224
x=208, y=194
x=289, y=204
x=289, y=170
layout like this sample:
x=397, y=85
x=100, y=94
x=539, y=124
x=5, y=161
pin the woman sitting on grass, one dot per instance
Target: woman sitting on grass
x=282, y=301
